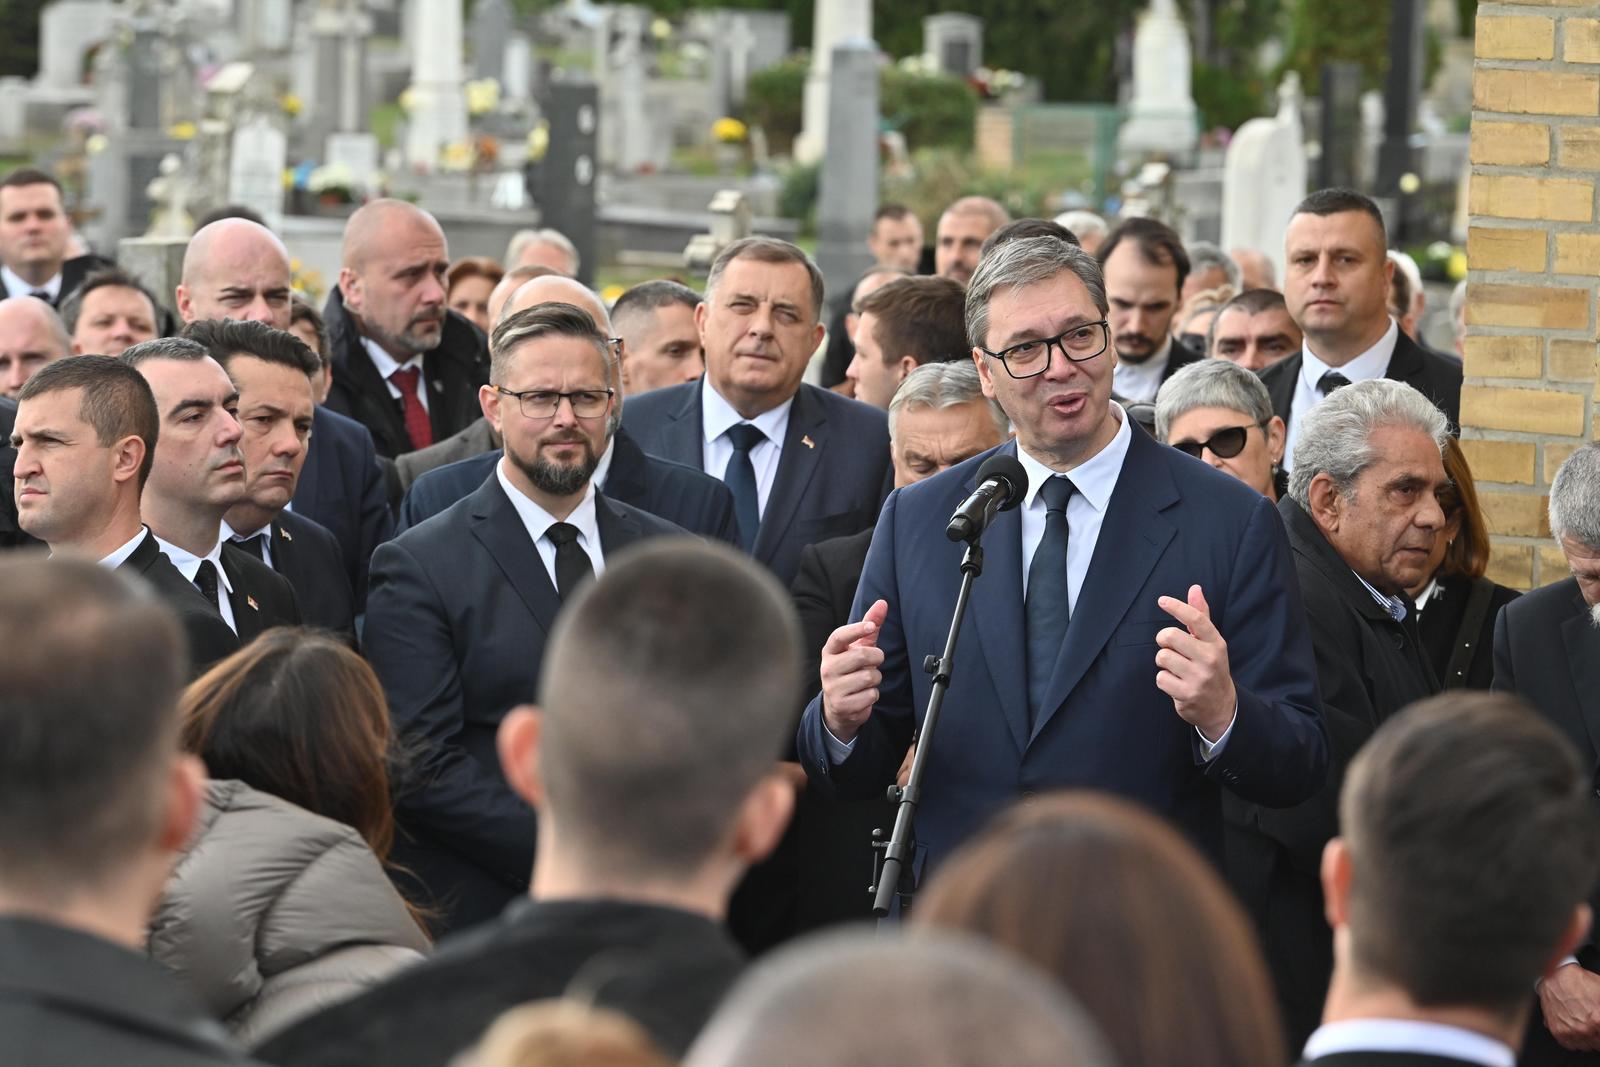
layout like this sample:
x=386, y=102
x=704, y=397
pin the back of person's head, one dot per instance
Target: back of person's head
x=298, y=715
x=1021, y=229
x=564, y=1033
x=89, y=677
x=921, y=317
x=1129, y=918
x=667, y=691
x=1469, y=848
x=855, y=999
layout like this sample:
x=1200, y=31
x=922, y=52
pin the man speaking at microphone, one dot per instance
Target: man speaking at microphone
x=1137, y=627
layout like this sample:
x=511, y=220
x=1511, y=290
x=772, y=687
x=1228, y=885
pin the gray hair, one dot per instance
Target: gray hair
x=1203, y=255
x=552, y=319
x=1211, y=383
x=178, y=348
x=767, y=250
x=523, y=238
x=945, y=385
x=874, y=993
x=1575, y=498
x=1026, y=262
x=1083, y=223
x=1336, y=435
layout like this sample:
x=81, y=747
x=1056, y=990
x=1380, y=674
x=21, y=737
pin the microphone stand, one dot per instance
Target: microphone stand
x=895, y=873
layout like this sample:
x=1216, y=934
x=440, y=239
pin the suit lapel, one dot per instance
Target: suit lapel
x=618, y=529
x=1133, y=535
x=1583, y=660
x=997, y=613
x=246, y=613
x=682, y=438
x=804, y=443
x=1281, y=385
x=625, y=480
x=498, y=527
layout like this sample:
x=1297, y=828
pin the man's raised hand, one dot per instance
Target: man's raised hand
x=850, y=675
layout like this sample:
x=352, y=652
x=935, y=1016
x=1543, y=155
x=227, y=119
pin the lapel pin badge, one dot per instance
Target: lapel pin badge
x=808, y=442
x=248, y=599
x=285, y=534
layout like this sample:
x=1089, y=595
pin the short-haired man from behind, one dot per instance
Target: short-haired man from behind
x=95, y=800
x=85, y=440
x=31, y=335
x=903, y=325
x=1468, y=848
x=1145, y=269
x=1547, y=651
x=662, y=347
x=651, y=802
x=1254, y=330
x=35, y=239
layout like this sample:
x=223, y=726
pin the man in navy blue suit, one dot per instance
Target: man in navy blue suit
x=803, y=464
x=1137, y=627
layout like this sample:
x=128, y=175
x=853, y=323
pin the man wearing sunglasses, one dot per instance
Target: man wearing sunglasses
x=1137, y=627
x=461, y=605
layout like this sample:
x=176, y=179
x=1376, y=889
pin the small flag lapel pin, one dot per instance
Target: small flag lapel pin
x=808, y=442
x=248, y=599
x=285, y=534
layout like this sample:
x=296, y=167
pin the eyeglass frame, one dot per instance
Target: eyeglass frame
x=1202, y=446
x=520, y=398
x=1051, y=344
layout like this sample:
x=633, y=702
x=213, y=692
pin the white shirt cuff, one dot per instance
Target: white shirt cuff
x=1210, y=750
x=838, y=751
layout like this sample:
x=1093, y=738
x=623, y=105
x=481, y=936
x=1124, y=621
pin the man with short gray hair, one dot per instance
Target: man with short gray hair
x=1209, y=268
x=543, y=248
x=1547, y=650
x=1361, y=515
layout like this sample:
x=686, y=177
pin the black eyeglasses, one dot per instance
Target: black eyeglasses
x=1224, y=444
x=1030, y=358
x=543, y=403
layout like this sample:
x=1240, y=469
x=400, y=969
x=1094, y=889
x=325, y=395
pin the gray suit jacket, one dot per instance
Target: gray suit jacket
x=475, y=440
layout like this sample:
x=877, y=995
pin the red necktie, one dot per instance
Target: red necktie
x=418, y=428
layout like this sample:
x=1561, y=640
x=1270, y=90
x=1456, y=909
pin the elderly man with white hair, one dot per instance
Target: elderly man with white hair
x=1547, y=651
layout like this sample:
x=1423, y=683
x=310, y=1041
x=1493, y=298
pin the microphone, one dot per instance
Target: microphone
x=1002, y=483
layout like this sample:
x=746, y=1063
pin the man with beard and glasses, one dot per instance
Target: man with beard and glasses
x=461, y=606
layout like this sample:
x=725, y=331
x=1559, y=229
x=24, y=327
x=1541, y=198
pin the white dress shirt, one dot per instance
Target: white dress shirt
x=538, y=521
x=188, y=565
x=602, y=467
x=1373, y=363
x=230, y=534
x=717, y=415
x=387, y=365
x=16, y=286
x=1139, y=382
x=1410, y=1036
x=120, y=556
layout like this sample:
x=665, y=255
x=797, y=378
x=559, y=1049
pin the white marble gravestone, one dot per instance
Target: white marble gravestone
x=255, y=168
x=1162, y=118
x=1264, y=177
x=836, y=22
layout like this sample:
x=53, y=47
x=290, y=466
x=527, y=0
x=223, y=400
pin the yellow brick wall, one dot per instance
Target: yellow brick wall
x=1533, y=257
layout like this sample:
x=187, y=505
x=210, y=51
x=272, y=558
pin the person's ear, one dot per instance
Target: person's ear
x=818, y=332
x=907, y=365
x=983, y=375
x=185, y=302
x=700, y=313
x=763, y=816
x=127, y=458
x=489, y=401
x=1277, y=436
x=518, y=745
x=1336, y=882
x=186, y=788
x=350, y=289
x=1327, y=503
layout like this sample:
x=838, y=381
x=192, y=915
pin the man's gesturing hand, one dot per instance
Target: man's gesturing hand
x=850, y=676
x=1194, y=666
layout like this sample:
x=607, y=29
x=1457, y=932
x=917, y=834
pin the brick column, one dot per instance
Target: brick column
x=1533, y=255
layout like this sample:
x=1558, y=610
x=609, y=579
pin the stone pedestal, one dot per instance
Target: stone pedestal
x=156, y=262
x=438, y=115
x=1162, y=118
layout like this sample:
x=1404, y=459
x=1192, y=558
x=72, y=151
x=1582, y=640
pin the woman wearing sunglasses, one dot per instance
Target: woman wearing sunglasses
x=1219, y=412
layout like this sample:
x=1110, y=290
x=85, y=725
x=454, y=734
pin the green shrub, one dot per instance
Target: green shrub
x=797, y=199
x=1225, y=98
x=774, y=99
x=931, y=110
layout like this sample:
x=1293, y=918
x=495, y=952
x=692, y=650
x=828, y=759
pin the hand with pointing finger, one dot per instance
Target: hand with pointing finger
x=1193, y=664
x=850, y=673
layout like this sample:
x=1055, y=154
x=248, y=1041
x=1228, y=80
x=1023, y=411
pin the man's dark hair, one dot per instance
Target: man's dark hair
x=227, y=338
x=1158, y=243
x=303, y=310
x=229, y=211
x=550, y=319
x=89, y=688
x=668, y=688
x=1254, y=302
x=117, y=401
x=1021, y=229
x=1337, y=201
x=653, y=296
x=179, y=348
x=72, y=306
x=1472, y=840
x=892, y=211
x=29, y=176
x=921, y=317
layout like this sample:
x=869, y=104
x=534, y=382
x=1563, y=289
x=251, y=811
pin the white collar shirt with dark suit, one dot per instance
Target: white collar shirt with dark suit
x=1373, y=363
x=1353, y=1040
x=537, y=521
x=719, y=417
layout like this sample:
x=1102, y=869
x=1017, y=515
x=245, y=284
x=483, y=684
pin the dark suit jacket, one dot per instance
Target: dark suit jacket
x=453, y=372
x=1440, y=626
x=73, y=272
x=475, y=440
x=342, y=488
x=460, y=610
x=307, y=555
x=262, y=598
x=1369, y=667
x=1433, y=375
x=1180, y=357
x=666, y=969
x=829, y=487
x=684, y=496
x=208, y=636
x=68, y=998
x=824, y=588
x=1172, y=522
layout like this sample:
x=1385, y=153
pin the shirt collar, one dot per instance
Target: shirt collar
x=188, y=563
x=1394, y=605
x=1411, y=1036
x=386, y=363
x=538, y=521
x=603, y=468
x=18, y=287
x=1150, y=370
x=1370, y=364
x=717, y=415
x=1095, y=477
x=230, y=534
x=120, y=556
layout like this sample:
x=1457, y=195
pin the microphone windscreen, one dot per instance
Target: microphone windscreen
x=1004, y=465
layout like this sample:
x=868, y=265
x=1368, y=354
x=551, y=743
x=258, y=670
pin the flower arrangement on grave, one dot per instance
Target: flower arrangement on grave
x=182, y=131
x=728, y=130
x=291, y=104
x=539, y=141
x=332, y=184
x=994, y=83
x=305, y=281
x=483, y=96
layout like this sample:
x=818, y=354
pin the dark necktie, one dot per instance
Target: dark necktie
x=572, y=562
x=1331, y=382
x=418, y=427
x=1047, y=610
x=40, y=294
x=205, y=580
x=253, y=545
x=740, y=478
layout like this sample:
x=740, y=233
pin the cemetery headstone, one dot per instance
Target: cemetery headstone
x=846, y=199
x=835, y=22
x=1162, y=117
x=488, y=33
x=438, y=116
x=1264, y=177
x=952, y=42
x=255, y=168
x=570, y=168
